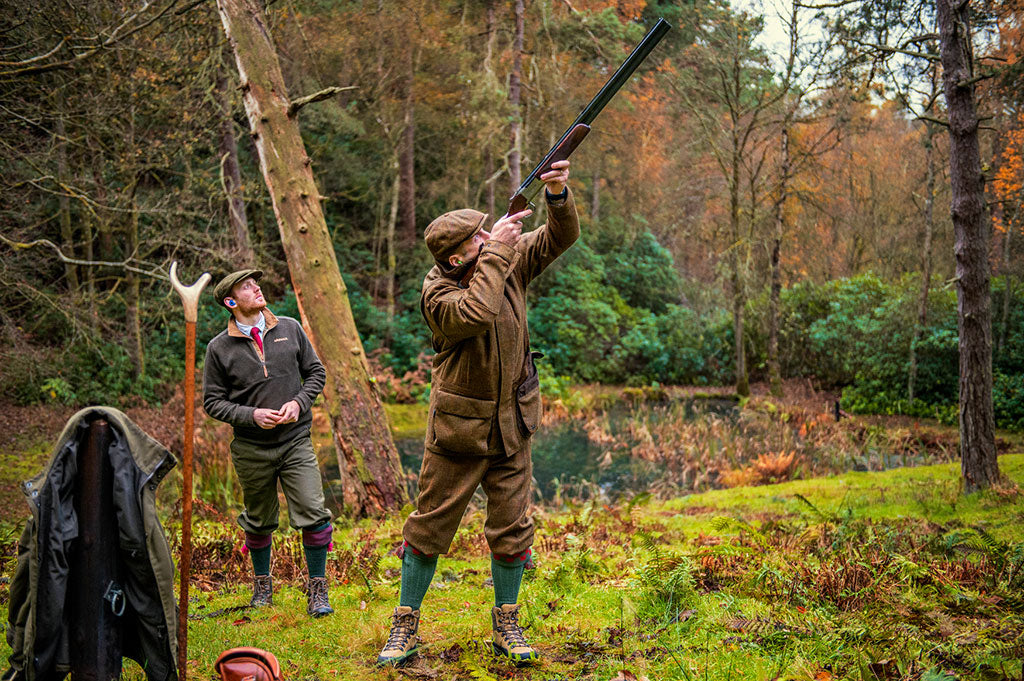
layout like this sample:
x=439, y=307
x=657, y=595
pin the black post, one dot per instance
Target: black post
x=94, y=591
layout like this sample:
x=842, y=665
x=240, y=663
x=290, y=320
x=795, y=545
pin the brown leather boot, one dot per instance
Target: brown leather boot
x=402, y=640
x=262, y=591
x=317, y=603
x=508, y=638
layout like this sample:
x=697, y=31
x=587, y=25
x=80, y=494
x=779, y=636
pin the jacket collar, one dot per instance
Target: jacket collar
x=233, y=325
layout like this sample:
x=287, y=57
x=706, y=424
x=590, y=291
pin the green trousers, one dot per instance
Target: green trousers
x=293, y=465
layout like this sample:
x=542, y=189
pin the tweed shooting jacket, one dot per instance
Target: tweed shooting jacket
x=485, y=395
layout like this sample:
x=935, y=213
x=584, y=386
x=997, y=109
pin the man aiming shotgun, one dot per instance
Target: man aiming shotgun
x=485, y=399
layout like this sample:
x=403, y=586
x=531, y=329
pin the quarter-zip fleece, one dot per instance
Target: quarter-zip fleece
x=238, y=378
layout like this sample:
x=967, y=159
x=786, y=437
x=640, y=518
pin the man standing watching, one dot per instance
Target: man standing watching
x=262, y=375
x=484, y=404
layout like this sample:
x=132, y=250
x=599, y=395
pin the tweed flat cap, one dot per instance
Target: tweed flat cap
x=445, y=233
x=223, y=288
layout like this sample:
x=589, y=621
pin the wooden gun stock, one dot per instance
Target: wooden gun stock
x=561, y=151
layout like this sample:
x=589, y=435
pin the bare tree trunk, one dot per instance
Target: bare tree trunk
x=515, y=158
x=131, y=298
x=67, y=232
x=489, y=173
x=370, y=470
x=231, y=175
x=89, y=272
x=1004, y=317
x=926, y=259
x=492, y=35
x=738, y=303
x=971, y=239
x=407, y=162
x=389, y=240
x=774, y=371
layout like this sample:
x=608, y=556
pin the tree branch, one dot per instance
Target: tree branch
x=21, y=245
x=326, y=93
x=91, y=51
x=895, y=50
x=930, y=119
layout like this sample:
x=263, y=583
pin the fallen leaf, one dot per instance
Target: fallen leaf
x=244, y=619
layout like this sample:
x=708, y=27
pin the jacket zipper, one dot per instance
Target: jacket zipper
x=261, y=357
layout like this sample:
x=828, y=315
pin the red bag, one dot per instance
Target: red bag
x=247, y=664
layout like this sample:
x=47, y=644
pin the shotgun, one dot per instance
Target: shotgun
x=576, y=132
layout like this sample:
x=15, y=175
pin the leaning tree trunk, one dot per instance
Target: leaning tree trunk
x=971, y=238
x=370, y=471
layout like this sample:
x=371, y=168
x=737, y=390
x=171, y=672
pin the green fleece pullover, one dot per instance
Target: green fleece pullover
x=238, y=378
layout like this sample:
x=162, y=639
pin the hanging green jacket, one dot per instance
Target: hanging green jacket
x=38, y=627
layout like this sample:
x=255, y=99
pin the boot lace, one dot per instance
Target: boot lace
x=402, y=629
x=508, y=625
x=318, y=593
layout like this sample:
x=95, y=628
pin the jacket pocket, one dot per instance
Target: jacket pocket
x=460, y=424
x=528, y=400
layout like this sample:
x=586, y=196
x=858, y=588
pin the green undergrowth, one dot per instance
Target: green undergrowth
x=891, y=575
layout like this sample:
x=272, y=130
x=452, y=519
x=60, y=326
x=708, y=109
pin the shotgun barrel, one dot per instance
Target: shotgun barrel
x=579, y=128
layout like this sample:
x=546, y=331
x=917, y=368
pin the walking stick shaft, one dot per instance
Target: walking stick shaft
x=190, y=301
x=185, y=562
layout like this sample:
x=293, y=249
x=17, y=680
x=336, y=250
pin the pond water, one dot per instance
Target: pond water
x=566, y=459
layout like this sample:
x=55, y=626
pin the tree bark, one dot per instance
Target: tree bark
x=738, y=303
x=515, y=157
x=926, y=258
x=67, y=232
x=131, y=298
x=1004, y=317
x=774, y=371
x=370, y=470
x=389, y=242
x=231, y=175
x=971, y=229
x=407, y=162
x=492, y=34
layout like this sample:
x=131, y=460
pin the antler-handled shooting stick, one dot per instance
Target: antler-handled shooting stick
x=190, y=300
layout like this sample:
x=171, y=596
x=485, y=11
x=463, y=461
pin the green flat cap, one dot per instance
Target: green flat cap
x=223, y=288
x=445, y=233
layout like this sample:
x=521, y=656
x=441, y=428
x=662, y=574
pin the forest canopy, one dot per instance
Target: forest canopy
x=723, y=167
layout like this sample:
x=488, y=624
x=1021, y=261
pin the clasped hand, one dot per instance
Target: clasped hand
x=268, y=418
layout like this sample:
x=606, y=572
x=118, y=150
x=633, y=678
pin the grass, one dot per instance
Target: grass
x=864, y=576
x=887, y=575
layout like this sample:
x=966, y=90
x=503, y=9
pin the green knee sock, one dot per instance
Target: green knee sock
x=316, y=560
x=507, y=579
x=315, y=544
x=260, y=560
x=417, y=571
